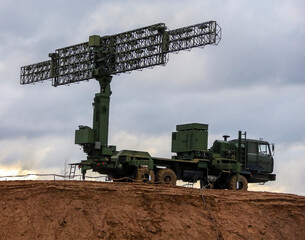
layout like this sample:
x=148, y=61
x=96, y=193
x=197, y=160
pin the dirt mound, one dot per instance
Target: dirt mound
x=96, y=210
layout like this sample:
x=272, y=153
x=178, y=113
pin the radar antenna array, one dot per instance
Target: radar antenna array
x=124, y=52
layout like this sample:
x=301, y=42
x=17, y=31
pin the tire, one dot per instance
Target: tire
x=242, y=180
x=145, y=175
x=166, y=176
x=221, y=183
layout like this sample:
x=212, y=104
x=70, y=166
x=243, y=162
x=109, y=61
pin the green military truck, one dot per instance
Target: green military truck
x=226, y=165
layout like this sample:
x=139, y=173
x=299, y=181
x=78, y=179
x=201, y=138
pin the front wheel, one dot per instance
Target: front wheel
x=242, y=183
x=166, y=176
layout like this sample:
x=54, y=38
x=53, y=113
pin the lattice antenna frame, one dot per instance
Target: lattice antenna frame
x=120, y=53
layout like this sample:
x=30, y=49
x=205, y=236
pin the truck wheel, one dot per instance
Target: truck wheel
x=145, y=175
x=166, y=176
x=243, y=183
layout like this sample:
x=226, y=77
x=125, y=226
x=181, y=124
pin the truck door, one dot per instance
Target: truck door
x=259, y=157
x=251, y=162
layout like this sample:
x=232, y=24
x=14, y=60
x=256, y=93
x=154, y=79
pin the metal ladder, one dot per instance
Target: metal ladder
x=72, y=171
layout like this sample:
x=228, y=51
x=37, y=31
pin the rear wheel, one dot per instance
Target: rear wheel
x=145, y=175
x=242, y=183
x=166, y=176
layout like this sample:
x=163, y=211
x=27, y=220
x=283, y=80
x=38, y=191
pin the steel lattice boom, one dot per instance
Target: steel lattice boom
x=124, y=52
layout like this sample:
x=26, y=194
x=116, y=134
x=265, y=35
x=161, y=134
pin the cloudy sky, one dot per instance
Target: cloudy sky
x=253, y=81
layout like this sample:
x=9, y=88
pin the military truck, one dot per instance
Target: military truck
x=226, y=165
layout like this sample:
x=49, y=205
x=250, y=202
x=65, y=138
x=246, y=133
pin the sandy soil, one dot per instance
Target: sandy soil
x=96, y=210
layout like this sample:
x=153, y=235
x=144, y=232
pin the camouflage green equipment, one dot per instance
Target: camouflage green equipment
x=102, y=58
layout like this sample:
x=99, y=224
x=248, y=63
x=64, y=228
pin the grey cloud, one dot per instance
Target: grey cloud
x=253, y=80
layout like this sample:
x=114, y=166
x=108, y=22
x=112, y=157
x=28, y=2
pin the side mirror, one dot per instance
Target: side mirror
x=272, y=149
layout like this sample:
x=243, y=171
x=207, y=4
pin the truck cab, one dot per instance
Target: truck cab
x=257, y=161
x=259, y=157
